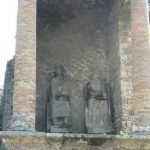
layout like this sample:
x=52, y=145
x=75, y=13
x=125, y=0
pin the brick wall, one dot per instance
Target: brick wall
x=140, y=62
x=25, y=67
x=126, y=65
x=113, y=38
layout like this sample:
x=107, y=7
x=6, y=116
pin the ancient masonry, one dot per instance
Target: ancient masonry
x=83, y=36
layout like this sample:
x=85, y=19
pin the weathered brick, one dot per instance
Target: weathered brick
x=25, y=65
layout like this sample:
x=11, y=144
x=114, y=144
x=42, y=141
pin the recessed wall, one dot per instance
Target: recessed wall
x=83, y=37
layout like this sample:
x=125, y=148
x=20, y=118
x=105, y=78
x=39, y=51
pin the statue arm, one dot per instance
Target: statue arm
x=49, y=89
x=86, y=95
x=104, y=90
x=48, y=94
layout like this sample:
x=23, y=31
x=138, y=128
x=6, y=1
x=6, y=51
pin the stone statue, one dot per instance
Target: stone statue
x=97, y=110
x=60, y=102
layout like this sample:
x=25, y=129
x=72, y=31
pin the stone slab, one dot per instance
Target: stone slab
x=67, y=141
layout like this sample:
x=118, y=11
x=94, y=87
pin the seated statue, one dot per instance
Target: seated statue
x=60, y=102
x=97, y=110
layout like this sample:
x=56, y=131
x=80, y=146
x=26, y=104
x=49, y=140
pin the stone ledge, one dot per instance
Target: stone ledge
x=25, y=140
x=9, y=134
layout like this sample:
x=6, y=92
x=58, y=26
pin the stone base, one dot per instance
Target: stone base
x=57, y=129
x=98, y=117
x=37, y=141
x=141, y=129
x=95, y=125
x=21, y=125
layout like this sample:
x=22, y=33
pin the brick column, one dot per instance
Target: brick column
x=126, y=66
x=25, y=68
x=141, y=65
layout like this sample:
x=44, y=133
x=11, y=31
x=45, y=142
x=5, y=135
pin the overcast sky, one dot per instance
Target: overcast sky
x=8, y=13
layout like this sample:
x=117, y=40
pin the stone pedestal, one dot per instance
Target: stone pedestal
x=42, y=141
x=98, y=117
x=58, y=129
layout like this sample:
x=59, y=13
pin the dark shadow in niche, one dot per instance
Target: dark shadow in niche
x=54, y=13
x=112, y=108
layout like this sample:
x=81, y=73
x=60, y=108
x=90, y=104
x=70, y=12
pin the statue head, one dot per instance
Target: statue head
x=59, y=70
x=95, y=74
